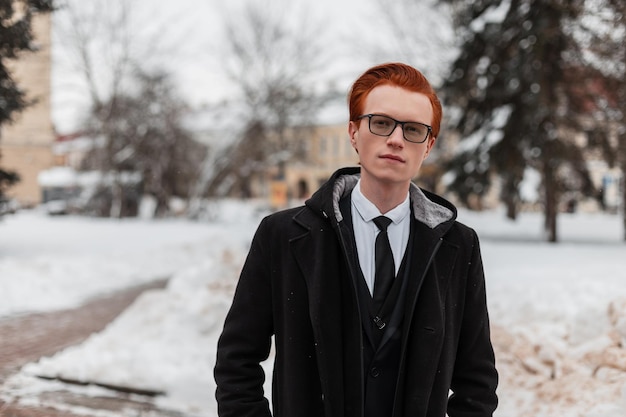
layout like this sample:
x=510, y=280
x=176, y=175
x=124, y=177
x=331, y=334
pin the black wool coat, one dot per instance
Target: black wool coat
x=297, y=286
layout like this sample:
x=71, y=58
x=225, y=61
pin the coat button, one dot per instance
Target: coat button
x=374, y=372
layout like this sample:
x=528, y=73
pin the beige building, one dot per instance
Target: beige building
x=26, y=144
x=328, y=148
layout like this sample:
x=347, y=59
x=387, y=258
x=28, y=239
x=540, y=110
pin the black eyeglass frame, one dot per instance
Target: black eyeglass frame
x=397, y=122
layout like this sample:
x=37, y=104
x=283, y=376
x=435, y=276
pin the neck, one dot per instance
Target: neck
x=385, y=197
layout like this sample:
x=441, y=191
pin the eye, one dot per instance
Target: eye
x=415, y=128
x=381, y=121
x=412, y=128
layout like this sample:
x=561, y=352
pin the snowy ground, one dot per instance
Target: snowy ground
x=558, y=311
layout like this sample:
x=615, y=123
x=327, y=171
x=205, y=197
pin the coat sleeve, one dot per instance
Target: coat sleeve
x=246, y=338
x=475, y=377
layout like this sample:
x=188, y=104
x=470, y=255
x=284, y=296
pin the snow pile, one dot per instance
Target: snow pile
x=557, y=314
x=563, y=376
x=165, y=342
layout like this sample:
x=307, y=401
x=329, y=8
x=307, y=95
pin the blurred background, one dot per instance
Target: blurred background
x=119, y=107
x=134, y=114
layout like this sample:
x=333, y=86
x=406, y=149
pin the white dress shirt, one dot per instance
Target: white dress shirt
x=365, y=231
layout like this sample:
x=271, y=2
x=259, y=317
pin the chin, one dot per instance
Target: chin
x=392, y=179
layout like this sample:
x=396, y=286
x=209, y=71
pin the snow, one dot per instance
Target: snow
x=57, y=177
x=487, y=136
x=493, y=15
x=558, y=311
x=529, y=186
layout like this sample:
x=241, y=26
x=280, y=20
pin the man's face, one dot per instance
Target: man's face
x=391, y=161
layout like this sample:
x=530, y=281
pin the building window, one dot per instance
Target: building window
x=323, y=147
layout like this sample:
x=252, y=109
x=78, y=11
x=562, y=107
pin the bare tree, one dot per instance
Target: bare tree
x=106, y=41
x=97, y=39
x=132, y=107
x=147, y=138
x=274, y=58
x=419, y=33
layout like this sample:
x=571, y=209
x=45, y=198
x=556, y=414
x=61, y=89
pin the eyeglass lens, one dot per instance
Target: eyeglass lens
x=384, y=126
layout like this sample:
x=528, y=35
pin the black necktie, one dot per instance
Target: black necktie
x=385, y=269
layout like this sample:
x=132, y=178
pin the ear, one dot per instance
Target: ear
x=353, y=132
x=429, y=145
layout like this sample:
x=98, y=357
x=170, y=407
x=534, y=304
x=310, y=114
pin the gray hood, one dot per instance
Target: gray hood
x=425, y=210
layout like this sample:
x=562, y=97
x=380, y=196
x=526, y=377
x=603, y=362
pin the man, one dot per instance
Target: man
x=350, y=339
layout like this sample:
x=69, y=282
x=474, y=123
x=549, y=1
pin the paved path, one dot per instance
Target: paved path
x=26, y=338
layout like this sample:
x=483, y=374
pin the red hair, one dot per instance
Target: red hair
x=396, y=74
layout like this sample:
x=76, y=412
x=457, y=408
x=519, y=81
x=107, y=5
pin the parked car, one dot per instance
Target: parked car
x=56, y=207
x=8, y=206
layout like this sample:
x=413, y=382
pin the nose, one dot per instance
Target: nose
x=396, y=137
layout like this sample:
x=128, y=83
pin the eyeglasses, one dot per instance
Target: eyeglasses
x=380, y=125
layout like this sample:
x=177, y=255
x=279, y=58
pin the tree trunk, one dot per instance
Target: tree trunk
x=511, y=209
x=510, y=196
x=162, y=205
x=623, y=190
x=117, y=196
x=550, y=205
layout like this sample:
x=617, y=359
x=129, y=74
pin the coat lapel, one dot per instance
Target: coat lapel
x=425, y=313
x=317, y=257
x=332, y=310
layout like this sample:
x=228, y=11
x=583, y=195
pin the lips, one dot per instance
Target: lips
x=393, y=157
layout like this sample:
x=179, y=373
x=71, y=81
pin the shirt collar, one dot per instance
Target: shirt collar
x=367, y=210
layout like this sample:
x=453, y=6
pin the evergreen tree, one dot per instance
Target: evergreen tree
x=619, y=83
x=605, y=42
x=15, y=36
x=516, y=86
